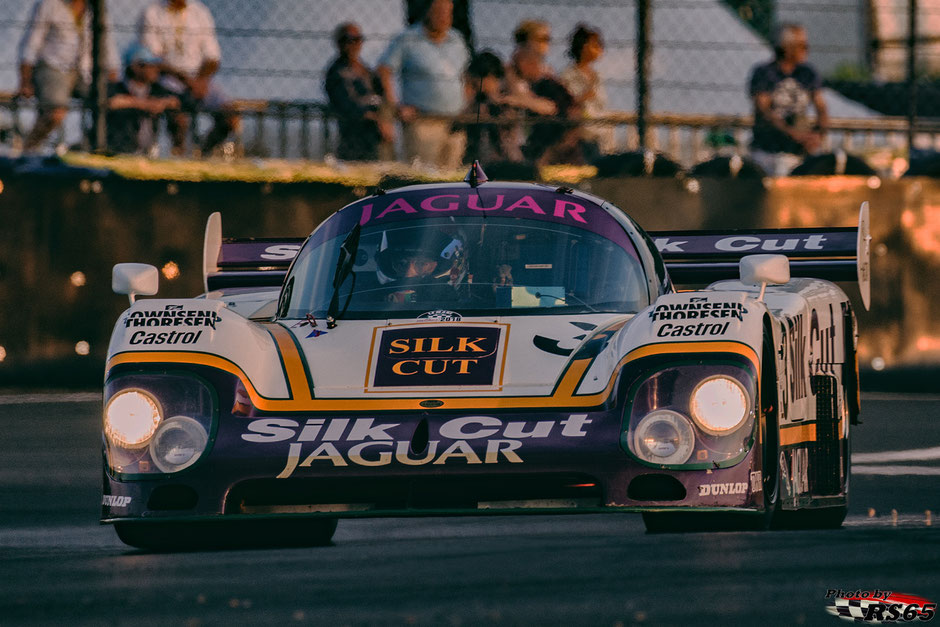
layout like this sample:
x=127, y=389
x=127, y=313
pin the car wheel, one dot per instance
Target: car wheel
x=228, y=534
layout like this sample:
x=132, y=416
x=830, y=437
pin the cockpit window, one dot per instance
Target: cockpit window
x=468, y=264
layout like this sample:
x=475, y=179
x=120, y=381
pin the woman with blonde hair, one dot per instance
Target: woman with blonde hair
x=526, y=67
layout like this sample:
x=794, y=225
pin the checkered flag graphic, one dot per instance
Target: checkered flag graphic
x=852, y=609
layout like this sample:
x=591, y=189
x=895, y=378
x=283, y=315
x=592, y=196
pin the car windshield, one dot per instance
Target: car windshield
x=469, y=265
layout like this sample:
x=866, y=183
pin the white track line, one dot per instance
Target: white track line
x=898, y=396
x=910, y=455
x=50, y=397
x=923, y=471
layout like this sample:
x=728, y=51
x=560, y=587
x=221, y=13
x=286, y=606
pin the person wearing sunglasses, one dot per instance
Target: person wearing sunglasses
x=355, y=95
x=527, y=67
x=783, y=91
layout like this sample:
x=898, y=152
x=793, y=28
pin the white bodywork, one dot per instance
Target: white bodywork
x=807, y=325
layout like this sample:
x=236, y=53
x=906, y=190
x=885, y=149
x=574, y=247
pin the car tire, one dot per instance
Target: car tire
x=227, y=534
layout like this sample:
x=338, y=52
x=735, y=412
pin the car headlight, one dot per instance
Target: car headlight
x=664, y=437
x=178, y=443
x=719, y=405
x=131, y=418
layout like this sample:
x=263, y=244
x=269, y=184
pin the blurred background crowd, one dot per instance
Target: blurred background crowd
x=769, y=87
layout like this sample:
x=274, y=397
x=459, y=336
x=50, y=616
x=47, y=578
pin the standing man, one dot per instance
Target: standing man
x=55, y=62
x=182, y=33
x=783, y=91
x=430, y=58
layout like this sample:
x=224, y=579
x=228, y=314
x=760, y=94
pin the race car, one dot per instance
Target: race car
x=484, y=348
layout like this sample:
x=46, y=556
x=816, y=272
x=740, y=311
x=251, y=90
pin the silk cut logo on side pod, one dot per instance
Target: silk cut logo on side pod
x=418, y=356
x=879, y=606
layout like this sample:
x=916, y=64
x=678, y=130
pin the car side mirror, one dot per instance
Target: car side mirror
x=135, y=278
x=763, y=270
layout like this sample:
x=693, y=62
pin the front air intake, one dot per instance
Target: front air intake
x=420, y=438
x=172, y=498
x=656, y=488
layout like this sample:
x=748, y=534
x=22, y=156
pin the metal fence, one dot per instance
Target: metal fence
x=678, y=68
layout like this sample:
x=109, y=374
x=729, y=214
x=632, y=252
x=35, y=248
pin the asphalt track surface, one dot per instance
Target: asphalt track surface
x=59, y=567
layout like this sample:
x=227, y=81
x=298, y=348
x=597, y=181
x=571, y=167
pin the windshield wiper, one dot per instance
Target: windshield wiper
x=564, y=299
x=344, y=266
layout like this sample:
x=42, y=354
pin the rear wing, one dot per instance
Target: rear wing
x=247, y=262
x=834, y=254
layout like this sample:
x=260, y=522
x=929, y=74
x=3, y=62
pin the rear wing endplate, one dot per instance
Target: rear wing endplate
x=246, y=262
x=833, y=254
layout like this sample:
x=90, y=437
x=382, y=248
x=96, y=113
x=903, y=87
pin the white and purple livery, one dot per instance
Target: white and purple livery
x=484, y=347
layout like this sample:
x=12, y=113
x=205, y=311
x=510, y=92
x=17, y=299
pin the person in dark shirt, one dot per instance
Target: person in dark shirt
x=783, y=91
x=558, y=140
x=356, y=100
x=485, y=140
x=135, y=102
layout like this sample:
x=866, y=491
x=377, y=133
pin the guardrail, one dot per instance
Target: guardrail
x=307, y=130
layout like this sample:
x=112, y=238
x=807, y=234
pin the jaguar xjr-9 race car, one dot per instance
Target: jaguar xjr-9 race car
x=484, y=348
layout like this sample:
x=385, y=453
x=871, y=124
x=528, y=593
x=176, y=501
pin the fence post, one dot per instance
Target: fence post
x=911, y=74
x=642, y=67
x=99, y=76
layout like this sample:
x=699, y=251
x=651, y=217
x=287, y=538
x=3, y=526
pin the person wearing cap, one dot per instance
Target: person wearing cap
x=55, y=62
x=135, y=102
x=182, y=34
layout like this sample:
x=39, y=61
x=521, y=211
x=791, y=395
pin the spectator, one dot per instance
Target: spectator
x=182, y=33
x=556, y=140
x=55, y=61
x=354, y=93
x=430, y=59
x=485, y=83
x=527, y=66
x=135, y=102
x=782, y=91
x=534, y=36
x=586, y=88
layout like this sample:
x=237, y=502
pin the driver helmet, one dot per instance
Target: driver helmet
x=420, y=253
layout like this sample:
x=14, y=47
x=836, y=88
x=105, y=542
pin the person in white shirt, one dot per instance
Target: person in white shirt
x=182, y=33
x=55, y=61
